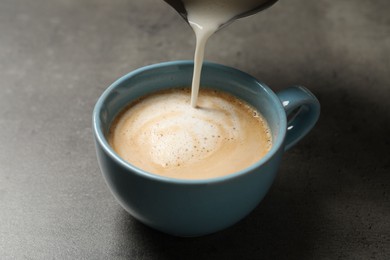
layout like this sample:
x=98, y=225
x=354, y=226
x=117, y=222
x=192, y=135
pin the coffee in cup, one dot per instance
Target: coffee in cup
x=195, y=207
x=163, y=134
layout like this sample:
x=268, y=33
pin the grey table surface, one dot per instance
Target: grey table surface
x=331, y=199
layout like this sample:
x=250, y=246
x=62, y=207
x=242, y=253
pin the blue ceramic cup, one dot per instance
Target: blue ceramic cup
x=198, y=207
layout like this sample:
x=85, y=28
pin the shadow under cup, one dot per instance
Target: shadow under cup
x=188, y=207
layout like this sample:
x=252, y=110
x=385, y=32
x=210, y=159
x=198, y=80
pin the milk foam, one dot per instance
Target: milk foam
x=162, y=133
x=216, y=13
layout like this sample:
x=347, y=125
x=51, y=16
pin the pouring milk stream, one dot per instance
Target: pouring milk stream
x=208, y=16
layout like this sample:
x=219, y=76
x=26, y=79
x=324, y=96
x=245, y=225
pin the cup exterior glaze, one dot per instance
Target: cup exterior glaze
x=189, y=207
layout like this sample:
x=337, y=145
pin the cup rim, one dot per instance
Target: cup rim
x=101, y=139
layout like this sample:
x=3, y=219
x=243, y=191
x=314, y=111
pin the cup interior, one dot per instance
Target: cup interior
x=178, y=74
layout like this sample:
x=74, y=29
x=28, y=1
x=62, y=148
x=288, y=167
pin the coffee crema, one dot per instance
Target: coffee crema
x=162, y=134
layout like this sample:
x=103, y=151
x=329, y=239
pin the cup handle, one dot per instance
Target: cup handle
x=302, y=110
